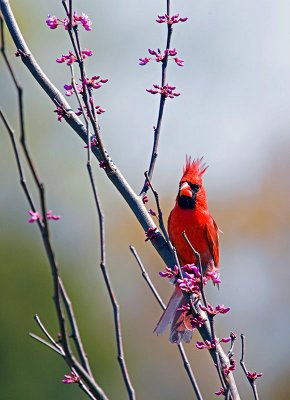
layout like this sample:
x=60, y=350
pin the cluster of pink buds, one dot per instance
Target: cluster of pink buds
x=94, y=82
x=72, y=378
x=60, y=113
x=94, y=142
x=170, y=273
x=230, y=368
x=70, y=89
x=207, y=344
x=71, y=58
x=170, y=20
x=220, y=309
x=214, y=276
x=35, y=216
x=160, y=57
x=53, y=22
x=189, y=285
x=197, y=322
x=151, y=234
x=99, y=110
x=220, y=392
x=166, y=91
x=252, y=376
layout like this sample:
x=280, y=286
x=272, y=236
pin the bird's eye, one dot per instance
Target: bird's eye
x=194, y=186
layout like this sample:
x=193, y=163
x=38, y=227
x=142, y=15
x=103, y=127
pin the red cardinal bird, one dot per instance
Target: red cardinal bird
x=190, y=214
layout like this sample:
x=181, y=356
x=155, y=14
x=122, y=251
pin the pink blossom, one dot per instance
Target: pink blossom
x=72, y=378
x=94, y=82
x=220, y=392
x=35, y=216
x=220, y=309
x=166, y=91
x=252, y=376
x=170, y=20
x=214, y=276
x=207, y=344
x=151, y=234
x=170, y=273
x=60, y=113
x=69, y=89
x=188, y=285
x=230, y=368
x=153, y=213
x=94, y=142
x=197, y=322
x=160, y=57
x=185, y=307
x=51, y=22
x=191, y=269
x=179, y=62
x=144, y=61
x=49, y=215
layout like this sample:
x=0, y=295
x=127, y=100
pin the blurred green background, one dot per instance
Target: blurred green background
x=234, y=110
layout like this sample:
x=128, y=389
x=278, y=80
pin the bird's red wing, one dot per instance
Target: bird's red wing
x=211, y=231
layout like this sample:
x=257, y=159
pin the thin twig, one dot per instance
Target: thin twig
x=246, y=372
x=157, y=129
x=186, y=363
x=115, y=305
x=39, y=339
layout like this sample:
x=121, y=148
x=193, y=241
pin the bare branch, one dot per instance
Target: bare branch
x=115, y=305
x=250, y=379
x=157, y=129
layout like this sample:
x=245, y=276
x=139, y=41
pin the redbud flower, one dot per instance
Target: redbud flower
x=51, y=22
x=60, y=113
x=72, y=378
x=34, y=216
x=160, y=57
x=252, y=376
x=94, y=142
x=170, y=273
x=166, y=90
x=69, y=89
x=197, y=322
x=151, y=234
x=188, y=285
x=191, y=269
x=95, y=82
x=220, y=309
x=230, y=368
x=49, y=215
x=214, y=276
x=207, y=344
x=102, y=164
x=153, y=213
x=170, y=20
x=220, y=392
x=185, y=307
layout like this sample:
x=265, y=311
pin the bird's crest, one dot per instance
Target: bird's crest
x=194, y=169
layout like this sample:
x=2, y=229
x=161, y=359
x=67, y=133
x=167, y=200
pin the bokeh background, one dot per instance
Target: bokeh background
x=233, y=109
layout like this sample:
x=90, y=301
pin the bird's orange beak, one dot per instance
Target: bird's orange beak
x=185, y=190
